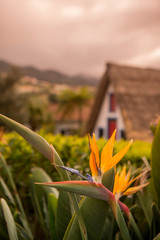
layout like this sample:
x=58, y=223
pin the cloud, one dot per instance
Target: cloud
x=80, y=36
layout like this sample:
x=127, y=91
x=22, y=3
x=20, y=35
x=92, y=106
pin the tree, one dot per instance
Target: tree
x=10, y=100
x=39, y=116
x=71, y=100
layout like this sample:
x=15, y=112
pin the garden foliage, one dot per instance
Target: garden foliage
x=65, y=214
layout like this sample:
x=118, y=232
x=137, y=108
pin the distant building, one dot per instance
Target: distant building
x=70, y=123
x=128, y=99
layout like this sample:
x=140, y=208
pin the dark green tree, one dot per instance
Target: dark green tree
x=11, y=103
x=38, y=114
x=71, y=100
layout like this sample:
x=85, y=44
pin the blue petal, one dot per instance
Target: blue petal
x=90, y=179
x=72, y=170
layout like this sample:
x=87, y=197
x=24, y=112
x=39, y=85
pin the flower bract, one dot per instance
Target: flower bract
x=99, y=166
x=122, y=182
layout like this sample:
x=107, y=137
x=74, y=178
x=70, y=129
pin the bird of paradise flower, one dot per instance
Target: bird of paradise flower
x=100, y=166
x=89, y=188
x=94, y=188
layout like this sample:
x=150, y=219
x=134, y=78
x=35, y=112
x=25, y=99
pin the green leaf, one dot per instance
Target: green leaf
x=94, y=213
x=64, y=214
x=157, y=237
x=37, y=141
x=155, y=220
x=135, y=227
x=6, y=216
x=109, y=227
x=93, y=190
x=146, y=202
x=155, y=163
x=39, y=175
x=52, y=208
x=108, y=179
x=22, y=233
x=39, y=195
x=98, y=191
x=120, y=220
x=17, y=198
x=5, y=192
x=48, y=151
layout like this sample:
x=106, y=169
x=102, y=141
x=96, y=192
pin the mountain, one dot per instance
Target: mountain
x=51, y=75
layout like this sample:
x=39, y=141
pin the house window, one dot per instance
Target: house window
x=63, y=132
x=112, y=102
x=100, y=132
x=123, y=134
x=112, y=125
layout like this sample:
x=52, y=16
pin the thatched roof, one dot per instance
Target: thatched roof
x=137, y=92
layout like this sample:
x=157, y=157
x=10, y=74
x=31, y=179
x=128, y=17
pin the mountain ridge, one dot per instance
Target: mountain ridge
x=50, y=75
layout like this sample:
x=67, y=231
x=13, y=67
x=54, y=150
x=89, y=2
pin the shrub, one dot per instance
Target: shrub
x=73, y=150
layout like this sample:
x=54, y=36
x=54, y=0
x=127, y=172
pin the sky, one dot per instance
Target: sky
x=80, y=36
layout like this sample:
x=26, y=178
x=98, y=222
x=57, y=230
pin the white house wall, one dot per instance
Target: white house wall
x=105, y=114
x=66, y=127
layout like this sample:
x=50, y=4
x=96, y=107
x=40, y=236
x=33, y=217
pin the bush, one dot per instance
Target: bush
x=73, y=150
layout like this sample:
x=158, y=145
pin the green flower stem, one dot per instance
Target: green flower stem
x=64, y=176
x=144, y=210
x=134, y=226
x=119, y=218
x=128, y=213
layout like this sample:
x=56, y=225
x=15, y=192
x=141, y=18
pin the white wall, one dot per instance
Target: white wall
x=66, y=126
x=105, y=114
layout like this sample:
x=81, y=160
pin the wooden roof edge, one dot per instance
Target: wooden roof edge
x=104, y=83
x=145, y=68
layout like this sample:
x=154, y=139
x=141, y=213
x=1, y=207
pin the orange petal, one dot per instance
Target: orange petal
x=92, y=160
x=116, y=183
x=106, y=154
x=116, y=158
x=132, y=190
x=93, y=165
x=132, y=180
x=128, y=175
x=95, y=150
x=122, y=180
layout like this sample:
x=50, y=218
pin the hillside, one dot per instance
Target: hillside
x=51, y=75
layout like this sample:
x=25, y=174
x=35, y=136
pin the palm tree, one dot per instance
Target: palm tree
x=71, y=100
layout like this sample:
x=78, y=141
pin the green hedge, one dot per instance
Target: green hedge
x=73, y=150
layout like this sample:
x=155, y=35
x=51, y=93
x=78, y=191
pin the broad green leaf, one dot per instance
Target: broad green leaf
x=94, y=213
x=109, y=227
x=52, y=208
x=22, y=233
x=135, y=227
x=39, y=175
x=48, y=151
x=37, y=141
x=98, y=191
x=146, y=202
x=38, y=201
x=64, y=214
x=5, y=192
x=8, y=218
x=108, y=179
x=155, y=162
x=17, y=198
x=120, y=219
x=39, y=197
x=157, y=237
x=93, y=190
x=155, y=220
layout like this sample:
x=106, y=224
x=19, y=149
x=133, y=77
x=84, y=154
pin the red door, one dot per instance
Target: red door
x=112, y=125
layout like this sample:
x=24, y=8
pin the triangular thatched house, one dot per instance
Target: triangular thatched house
x=128, y=98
